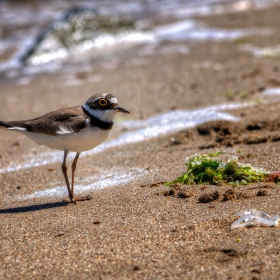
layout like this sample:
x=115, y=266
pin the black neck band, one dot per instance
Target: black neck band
x=95, y=122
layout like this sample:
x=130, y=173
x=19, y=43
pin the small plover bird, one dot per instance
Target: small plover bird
x=74, y=129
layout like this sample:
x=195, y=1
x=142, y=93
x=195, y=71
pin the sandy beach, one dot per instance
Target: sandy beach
x=135, y=230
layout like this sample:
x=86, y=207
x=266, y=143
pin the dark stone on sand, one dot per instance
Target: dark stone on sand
x=208, y=197
x=262, y=193
x=184, y=193
x=231, y=194
x=256, y=139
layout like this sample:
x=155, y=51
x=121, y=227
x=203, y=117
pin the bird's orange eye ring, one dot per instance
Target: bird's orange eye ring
x=102, y=102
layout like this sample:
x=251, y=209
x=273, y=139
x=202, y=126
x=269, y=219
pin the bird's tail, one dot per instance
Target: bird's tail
x=13, y=125
x=4, y=125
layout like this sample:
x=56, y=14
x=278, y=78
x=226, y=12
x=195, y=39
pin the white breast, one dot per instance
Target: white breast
x=85, y=140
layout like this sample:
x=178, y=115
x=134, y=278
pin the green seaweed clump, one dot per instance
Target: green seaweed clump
x=206, y=169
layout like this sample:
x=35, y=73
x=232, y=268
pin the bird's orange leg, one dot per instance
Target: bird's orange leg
x=64, y=171
x=73, y=198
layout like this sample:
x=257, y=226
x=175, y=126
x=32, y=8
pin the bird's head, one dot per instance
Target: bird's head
x=103, y=106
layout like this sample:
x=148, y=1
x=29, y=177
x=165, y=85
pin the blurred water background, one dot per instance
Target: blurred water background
x=56, y=36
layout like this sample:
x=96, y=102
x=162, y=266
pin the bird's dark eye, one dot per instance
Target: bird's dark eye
x=102, y=102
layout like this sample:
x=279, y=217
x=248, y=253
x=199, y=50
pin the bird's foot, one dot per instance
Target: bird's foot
x=80, y=198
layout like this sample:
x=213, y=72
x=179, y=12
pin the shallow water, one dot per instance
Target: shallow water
x=111, y=178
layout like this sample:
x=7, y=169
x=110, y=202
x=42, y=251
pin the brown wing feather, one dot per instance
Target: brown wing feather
x=71, y=119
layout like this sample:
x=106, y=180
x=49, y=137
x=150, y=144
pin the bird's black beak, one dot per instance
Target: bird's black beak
x=121, y=109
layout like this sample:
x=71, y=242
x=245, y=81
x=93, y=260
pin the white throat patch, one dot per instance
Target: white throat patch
x=103, y=115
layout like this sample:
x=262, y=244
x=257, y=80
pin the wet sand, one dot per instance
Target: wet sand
x=135, y=230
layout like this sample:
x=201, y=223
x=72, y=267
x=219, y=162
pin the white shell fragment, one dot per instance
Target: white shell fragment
x=254, y=217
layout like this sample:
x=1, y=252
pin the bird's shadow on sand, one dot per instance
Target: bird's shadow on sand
x=31, y=208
